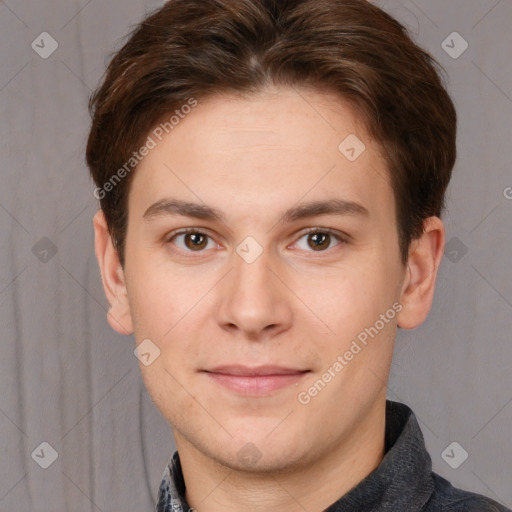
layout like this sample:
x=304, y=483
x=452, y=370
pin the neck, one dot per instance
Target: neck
x=212, y=487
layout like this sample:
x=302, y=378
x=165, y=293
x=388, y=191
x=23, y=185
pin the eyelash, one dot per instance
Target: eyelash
x=337, y=235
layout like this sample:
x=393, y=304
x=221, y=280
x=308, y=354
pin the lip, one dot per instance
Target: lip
x=255, y=381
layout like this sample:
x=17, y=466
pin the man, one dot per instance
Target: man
x=271, y=177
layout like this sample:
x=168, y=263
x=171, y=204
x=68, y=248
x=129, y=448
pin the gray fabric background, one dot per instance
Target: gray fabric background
x=68, y=380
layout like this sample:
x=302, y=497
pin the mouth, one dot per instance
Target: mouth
x=255, y=381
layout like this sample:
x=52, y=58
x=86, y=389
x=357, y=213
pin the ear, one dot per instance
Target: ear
x=112, y=276
x=425, y=254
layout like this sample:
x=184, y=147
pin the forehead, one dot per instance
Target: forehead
x=268, y=149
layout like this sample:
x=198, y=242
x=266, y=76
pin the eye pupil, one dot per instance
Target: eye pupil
x=319, y=240
x=197, y=239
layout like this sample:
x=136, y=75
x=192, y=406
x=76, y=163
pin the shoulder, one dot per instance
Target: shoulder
x=446, y=497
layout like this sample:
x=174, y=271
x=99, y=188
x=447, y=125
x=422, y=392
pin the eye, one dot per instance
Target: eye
x=319, y=240
x=314, y=240
x=192, y=240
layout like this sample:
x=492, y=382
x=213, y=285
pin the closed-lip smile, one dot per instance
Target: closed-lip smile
x=255, y=380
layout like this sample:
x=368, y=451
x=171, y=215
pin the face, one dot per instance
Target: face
x=262, y=260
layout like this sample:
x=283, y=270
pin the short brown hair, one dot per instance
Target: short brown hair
x=192, y=49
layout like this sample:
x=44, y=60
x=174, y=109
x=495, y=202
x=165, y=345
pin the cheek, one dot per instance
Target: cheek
x=168, y=390
x=161, y=298
x=349, y=298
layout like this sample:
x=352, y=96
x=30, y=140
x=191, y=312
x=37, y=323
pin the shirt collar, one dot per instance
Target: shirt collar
x=171, y=495
x=404, y=474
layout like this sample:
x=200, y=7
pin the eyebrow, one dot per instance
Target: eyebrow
x=166, y=207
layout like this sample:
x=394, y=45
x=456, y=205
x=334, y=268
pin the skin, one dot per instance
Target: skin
x=296, y=305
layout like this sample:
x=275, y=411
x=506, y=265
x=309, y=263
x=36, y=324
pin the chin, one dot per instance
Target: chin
x=264, y=451
x=258, y=461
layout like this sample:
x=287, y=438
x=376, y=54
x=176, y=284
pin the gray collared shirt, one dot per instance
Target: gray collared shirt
x=403, y=481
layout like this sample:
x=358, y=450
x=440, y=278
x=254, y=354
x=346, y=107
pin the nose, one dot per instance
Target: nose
x=253, y=301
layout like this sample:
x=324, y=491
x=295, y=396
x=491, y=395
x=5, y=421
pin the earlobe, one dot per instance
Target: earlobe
x=112, y=276
x=418, y=289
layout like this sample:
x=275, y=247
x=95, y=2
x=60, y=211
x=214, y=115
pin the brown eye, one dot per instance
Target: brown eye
x=191, y=241
x=319, y=241
x=196, y=241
